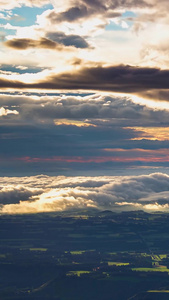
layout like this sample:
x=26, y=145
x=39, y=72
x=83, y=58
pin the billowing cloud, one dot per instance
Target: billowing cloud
x=147, y=192
x=90, y=110
x=14, y=194
x=85, y=9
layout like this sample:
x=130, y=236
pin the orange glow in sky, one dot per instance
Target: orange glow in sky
x=152, y=133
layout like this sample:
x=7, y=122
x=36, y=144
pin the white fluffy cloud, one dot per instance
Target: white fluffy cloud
x=118, y=193
x=10, y=4
x=5, y=112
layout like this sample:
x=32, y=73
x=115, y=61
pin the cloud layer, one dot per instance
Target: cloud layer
x=121, y=79
x=90, y=133
x=83, y=87
x=49, y=194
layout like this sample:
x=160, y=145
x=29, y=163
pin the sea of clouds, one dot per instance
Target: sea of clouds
x=42, y=193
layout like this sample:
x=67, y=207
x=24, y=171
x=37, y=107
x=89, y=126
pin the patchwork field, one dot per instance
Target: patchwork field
x=104, y=256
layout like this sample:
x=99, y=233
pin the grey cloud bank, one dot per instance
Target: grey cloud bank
x=65, y=133
x=94, y=108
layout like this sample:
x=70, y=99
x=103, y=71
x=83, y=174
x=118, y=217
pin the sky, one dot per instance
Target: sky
x=84, y=98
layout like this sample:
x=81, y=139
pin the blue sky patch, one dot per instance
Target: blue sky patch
x=112, y=26
x=24, y=16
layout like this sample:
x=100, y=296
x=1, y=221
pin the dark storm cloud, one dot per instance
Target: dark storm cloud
x=53, y=40
x=159, y=95
x=122, y=79
x=67, y=40
x=117, y=78
x=77, y=13
x=85, y=9
x=72, y=14
x=23, y=44
x=5, y=83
